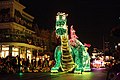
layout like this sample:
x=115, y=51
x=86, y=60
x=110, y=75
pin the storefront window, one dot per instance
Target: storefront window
x=14, y=54
x=4, y=54
x=4, y=51
x=29, y=54
x=15, y=51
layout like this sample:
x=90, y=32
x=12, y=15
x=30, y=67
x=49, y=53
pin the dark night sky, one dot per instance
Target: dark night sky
x=91, y=19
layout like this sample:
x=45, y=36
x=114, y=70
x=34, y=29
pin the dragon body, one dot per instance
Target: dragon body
x=71, y=55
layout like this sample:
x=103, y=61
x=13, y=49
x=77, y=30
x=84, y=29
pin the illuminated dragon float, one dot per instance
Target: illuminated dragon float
x=71, y=55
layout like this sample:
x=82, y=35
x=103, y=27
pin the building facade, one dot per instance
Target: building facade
x=17, y=34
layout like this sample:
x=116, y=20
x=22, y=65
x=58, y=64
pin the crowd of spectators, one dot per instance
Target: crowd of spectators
x=8, y=65
x=16, y=65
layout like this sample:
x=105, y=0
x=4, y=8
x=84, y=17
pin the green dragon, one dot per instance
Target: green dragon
x=71, y=55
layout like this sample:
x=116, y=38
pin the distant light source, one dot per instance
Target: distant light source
x=118, y=44
x=119, y=17
x=20, y=73
x=116, y=47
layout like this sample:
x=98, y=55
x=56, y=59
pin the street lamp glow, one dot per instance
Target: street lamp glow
x=118, y=44
x=116, y=47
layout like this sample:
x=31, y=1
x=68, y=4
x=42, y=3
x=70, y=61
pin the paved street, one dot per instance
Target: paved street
x=96, y=74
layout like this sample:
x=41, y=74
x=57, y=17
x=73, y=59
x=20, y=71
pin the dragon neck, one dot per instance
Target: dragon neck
x=64, y=43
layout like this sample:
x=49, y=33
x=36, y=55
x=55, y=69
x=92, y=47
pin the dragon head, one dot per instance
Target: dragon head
x=61, y=21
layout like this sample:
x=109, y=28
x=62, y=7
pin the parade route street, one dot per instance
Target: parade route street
x=96, y=74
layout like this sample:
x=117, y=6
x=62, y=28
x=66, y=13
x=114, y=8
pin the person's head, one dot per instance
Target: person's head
x=112, y=75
